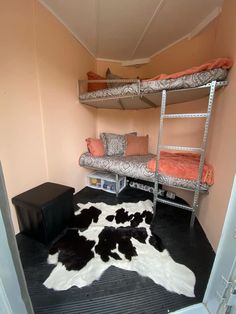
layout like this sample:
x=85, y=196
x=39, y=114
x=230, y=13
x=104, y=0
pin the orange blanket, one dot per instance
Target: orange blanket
x=224, y=63
x=183, y=166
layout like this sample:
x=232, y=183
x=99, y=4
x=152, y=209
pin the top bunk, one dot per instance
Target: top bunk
x=135, y=94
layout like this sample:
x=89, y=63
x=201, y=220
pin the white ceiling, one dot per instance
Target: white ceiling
x=132, y=29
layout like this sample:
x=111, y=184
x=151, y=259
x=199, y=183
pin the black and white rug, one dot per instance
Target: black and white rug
x=104, y=235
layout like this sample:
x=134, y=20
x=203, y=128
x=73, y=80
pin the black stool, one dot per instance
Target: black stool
x=44, y=211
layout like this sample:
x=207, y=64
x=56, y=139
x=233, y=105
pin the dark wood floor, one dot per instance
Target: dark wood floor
x=120, y=291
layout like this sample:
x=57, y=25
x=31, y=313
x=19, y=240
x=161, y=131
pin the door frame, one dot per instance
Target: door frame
x=10, y=234
x=213, y=301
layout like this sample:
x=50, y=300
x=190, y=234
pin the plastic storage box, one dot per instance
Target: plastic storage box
x=106, y=181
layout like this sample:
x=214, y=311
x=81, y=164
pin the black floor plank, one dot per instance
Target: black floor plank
x=120, y=291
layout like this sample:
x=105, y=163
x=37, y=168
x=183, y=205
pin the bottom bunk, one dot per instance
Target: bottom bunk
x=142, y=167
x=178, y=170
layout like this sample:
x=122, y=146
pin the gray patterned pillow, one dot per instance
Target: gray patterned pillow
x=111, y=76
x=114, y=144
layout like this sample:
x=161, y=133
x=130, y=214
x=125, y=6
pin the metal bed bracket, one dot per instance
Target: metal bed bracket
x=185, y=115
x=117, y=185
x=181, y=148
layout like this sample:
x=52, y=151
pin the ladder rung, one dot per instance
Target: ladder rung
x=174, y=204
x=185, y=115
x=182, y=148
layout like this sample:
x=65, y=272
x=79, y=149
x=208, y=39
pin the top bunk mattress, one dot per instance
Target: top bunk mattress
x=135, y=167
x=150, y=87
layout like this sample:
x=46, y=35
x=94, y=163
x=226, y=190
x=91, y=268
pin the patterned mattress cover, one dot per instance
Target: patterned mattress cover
x=134, y=167
x=149, y=87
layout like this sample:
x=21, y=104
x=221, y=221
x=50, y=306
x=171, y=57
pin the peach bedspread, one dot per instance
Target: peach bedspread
x=224, y=63
x=183, y=166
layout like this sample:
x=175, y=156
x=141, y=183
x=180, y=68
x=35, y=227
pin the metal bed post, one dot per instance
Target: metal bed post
x=203, y=151
x=117, y=185
x=155, y=193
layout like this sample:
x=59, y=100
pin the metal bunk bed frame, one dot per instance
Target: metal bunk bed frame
x=151, y=101
x=201, y=150
x=141, y=100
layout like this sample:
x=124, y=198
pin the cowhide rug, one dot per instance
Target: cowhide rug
x=103, y=235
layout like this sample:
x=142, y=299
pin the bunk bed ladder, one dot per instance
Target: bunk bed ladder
x=201, y=150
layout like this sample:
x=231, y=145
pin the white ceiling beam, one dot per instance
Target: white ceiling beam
x=210, y=17
x=67, y=27
x=197, y=29
x=135, y=62
x=169, y=46
x=156, y=12
x=97, y=10
x=109, y=60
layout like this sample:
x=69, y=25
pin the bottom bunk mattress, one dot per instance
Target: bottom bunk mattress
x=135, y=167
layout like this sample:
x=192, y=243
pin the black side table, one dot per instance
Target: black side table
x=44, y=211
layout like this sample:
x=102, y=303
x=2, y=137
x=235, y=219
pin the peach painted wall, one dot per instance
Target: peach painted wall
x=42, y=124
x=22, y=143
x=147, y=122
x=222, y=147
x=61, y=62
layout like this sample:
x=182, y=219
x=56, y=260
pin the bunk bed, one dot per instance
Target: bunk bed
x=136, y=95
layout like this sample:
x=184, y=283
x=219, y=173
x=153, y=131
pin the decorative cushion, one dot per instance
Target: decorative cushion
x=95, y=147
x=136, y=145
x=92, y=87
x=115, y=144
x=111, y=76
